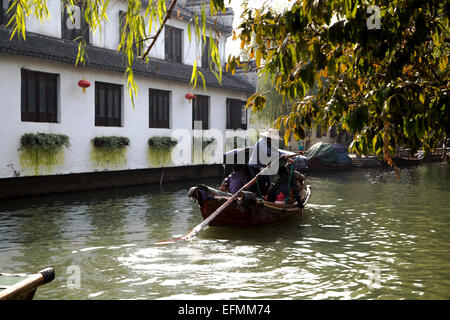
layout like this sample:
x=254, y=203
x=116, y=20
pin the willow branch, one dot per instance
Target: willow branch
x=168, y=13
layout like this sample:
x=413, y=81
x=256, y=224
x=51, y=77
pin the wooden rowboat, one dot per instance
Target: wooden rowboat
x=315, y=165
x=22, y=286
x=247, y=210
x=404, y=161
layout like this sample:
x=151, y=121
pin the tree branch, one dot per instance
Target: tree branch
x=168, y=13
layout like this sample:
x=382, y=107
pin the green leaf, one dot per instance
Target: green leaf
x=194, y=74
x=203, y=80
x=287, y=135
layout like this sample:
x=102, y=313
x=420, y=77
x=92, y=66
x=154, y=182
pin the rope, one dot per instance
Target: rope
x=289, y=185
x=259, y=191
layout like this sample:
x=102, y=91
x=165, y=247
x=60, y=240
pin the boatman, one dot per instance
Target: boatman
x=236, y=180
x=286, y=186
x=265, y=151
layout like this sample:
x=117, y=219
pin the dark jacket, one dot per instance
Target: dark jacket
x=236, y=180
x=282, y=185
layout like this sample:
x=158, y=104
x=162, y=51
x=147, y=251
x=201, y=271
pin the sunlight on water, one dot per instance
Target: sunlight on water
x=365, y=235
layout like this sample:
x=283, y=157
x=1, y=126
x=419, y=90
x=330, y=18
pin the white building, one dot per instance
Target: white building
x=39, y=90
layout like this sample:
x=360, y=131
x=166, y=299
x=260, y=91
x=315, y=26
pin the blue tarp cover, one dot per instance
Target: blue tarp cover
x=328, y=153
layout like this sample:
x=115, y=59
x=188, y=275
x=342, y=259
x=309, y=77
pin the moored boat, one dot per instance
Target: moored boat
x=247, y=210
x=327, y=157
x=315, y=165
x=404, y=161
x=23, y=286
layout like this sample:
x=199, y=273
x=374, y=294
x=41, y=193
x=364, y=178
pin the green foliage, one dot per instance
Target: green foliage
x=38, y=158
x=140, y=21
x=111, y=142
x=46, y=141
x=109, y=152
x=42, y=150
x=275, y=106
x=160, y=157
x=205, y=141
x=388, y=86
x=160, y=150
x=162, y=143
x=109, y=157
x=236, y=142
x=200, y=156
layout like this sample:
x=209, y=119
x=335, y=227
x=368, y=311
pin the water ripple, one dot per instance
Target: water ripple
x=365, y=235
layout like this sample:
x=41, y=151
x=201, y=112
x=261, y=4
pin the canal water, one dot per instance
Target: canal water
x=364, y=235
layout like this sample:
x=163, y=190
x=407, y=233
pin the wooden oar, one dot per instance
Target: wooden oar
x=25, y=289
x=219, y=210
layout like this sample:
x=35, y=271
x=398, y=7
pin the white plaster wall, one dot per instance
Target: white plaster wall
x=327, y=138
x=108, y=35
x=191, y=51
x=157, y=50
x=77, y=115
x=222, y=45
x=222, y=50
x=50, y=27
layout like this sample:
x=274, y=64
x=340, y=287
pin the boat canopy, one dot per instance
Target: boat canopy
x=328, y=153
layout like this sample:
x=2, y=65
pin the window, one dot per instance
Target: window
x=73, y=23
x=159, y=108
x=333, y=131
x=200, y=111
x=4, y=5
x=236, y=114
x=39, y=96
x=321, y=131
x=2, y=12
x=138, y=46
x=206, y=55
x=108, y=104
x=173, y=43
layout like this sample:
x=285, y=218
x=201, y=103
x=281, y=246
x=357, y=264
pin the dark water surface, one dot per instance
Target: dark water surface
x=365, y=235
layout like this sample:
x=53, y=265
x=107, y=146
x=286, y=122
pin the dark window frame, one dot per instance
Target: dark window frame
x=3, y=17
x=173, y=44
x=138, y=49
x=235, y=110
x=206, y=54
x=160, y=110
x=200, y=111
x=112, y=113
x=321, y=131
x=2, y=14
x=333, y=131
x=38, y=107
x=75, y=33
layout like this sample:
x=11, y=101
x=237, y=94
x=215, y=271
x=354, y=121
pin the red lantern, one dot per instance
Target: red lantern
x=189, y=96
x=83, y=83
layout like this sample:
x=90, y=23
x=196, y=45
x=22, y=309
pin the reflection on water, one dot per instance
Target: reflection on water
x=365, y=235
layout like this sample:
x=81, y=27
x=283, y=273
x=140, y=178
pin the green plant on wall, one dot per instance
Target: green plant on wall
x=42, y=150
x=198, y=157
x=160, y=150
x=238, y=141
x=109, y=151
